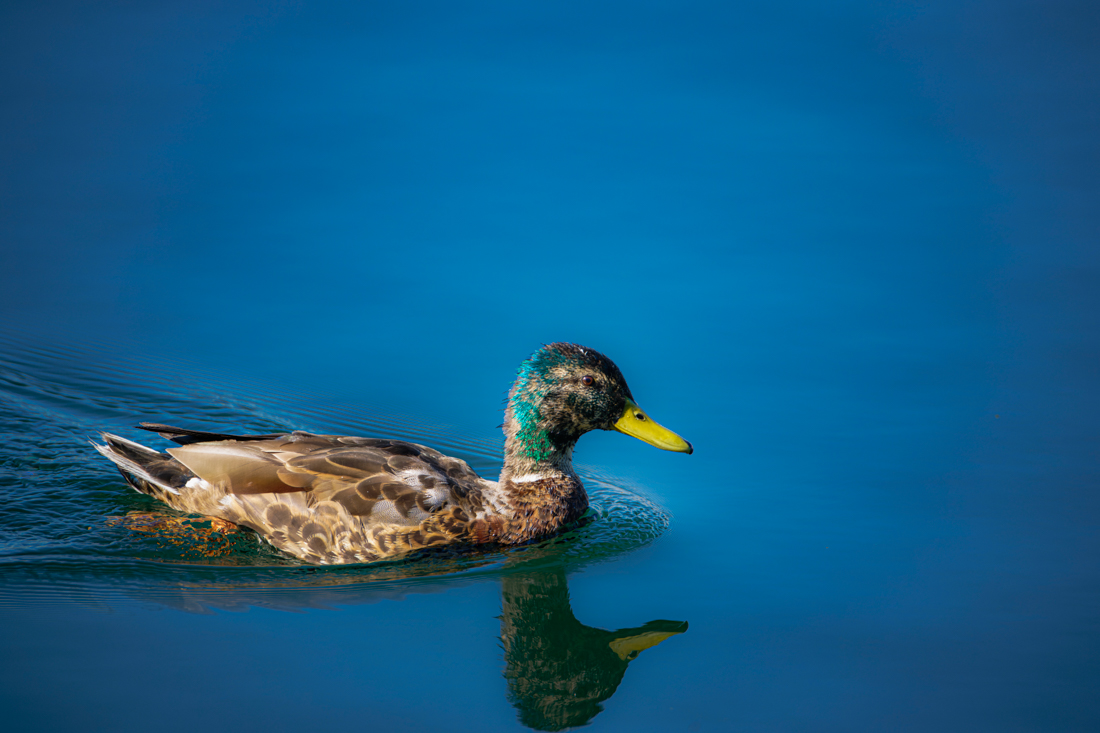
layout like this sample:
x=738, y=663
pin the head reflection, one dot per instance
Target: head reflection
x=559, y=671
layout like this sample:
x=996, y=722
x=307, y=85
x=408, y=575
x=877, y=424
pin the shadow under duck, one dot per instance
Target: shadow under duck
x=335, y=499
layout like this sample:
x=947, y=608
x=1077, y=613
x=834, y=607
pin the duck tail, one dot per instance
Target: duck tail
x=150, y=472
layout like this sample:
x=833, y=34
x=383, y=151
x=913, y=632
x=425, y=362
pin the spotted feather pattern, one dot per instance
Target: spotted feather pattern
x=323, y=498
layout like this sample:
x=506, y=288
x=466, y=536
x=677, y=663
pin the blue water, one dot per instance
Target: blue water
x=848, y=250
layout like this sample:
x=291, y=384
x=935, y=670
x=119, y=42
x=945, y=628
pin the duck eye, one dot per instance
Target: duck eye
x=587, y=380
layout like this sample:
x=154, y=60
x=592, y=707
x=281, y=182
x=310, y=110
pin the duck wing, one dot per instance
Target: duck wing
x=380, y=481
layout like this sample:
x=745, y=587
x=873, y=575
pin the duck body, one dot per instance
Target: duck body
x=329, y=499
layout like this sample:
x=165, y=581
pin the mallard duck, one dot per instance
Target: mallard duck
x=334, y=499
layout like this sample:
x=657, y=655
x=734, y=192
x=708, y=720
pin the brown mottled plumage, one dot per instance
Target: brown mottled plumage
x=334, y=499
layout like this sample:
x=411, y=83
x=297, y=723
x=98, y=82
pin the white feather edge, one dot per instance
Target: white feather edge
x=126, y=464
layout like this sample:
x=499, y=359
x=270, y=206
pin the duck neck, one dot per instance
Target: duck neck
x=531, y=449
x=541, y=488
x=538, y=480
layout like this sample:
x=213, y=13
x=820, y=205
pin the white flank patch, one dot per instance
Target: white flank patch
x=198, y=483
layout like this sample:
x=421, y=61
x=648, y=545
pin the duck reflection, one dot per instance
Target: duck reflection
x=559, y=671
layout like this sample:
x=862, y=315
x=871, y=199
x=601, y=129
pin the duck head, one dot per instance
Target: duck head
x=562, y=392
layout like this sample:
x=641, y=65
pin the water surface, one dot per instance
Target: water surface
x=848, y=251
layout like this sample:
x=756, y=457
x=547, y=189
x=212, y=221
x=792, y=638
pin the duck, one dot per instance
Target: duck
x=331, y=499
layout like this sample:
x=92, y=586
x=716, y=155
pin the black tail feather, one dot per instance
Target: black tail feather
x=183, y=436
x=130, y=450
x=150, y=472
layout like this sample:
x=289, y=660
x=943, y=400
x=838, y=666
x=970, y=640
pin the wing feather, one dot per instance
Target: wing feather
x=233, y=467
x=379, y=481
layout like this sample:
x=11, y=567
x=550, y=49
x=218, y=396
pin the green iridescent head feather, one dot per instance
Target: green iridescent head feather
x=551, y=405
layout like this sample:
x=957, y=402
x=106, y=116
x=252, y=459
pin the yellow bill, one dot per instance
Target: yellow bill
x=636, y=423
x=631, y=646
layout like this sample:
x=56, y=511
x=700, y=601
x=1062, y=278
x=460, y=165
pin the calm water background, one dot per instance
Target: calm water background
x=849, y=250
